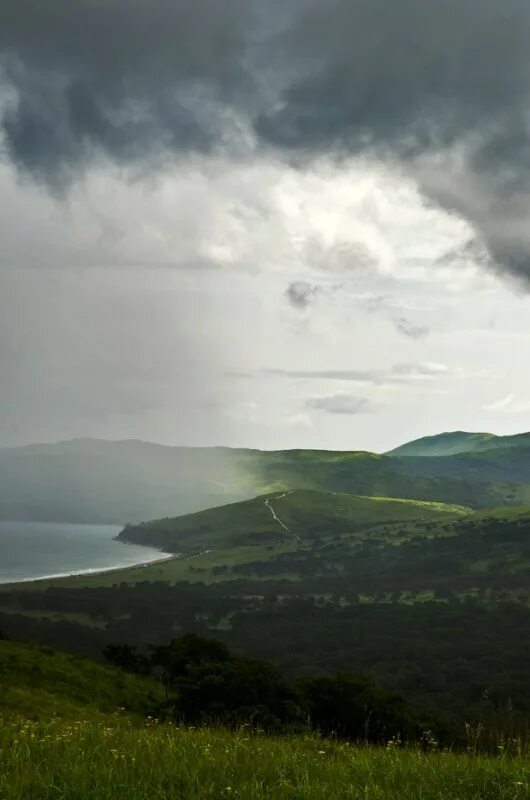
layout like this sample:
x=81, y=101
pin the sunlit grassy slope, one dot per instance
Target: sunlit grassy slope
x=284, y=516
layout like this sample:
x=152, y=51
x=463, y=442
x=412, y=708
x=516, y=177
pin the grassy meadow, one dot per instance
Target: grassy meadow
x=116, y=759
x=74, y=730
x=41, y=684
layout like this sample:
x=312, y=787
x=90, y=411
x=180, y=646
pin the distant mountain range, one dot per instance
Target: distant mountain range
x=87, y=480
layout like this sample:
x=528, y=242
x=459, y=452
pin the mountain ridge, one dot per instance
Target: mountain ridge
x=129, y=481
x=451, y=443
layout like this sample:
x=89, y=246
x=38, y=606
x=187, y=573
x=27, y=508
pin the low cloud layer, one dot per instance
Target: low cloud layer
x=400, y=374
x=341, y=404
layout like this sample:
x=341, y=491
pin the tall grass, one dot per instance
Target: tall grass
x=119, y=759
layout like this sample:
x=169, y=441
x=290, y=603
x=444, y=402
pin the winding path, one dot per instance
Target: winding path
x=275, y=515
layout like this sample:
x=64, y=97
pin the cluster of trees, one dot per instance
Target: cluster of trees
x=479, y=557
x=206, y=683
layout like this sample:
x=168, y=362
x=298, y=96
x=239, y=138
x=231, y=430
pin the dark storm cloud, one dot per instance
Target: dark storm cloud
x=127, y=78
x=411, y=74
x=406, y=81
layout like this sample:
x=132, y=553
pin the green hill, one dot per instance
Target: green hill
x=449, y=444
x=501, y=467
x=129, y=481
x=298, y=514
x=486, y=486
x=41, y=683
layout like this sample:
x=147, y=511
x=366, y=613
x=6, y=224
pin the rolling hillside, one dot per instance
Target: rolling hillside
x=431, y=600
x=311, y=559
x=298, y=514
x=129, y=481
x=503, y=466
x=450, y=444
x=42, y=683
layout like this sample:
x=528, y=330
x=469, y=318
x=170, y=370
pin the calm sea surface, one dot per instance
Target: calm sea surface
x=31, y=550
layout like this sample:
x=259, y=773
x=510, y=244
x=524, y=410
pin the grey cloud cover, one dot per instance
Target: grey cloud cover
x=416, y=81
x=126, y=78
x=441, y=88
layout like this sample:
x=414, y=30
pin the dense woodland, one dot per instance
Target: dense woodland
x=458, y=658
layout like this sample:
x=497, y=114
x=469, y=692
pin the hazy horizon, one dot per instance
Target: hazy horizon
x=126, y=440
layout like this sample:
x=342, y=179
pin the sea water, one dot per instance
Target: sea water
x=31, y=550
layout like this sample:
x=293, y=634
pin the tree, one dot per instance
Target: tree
x=352, y=707
x=127, y=658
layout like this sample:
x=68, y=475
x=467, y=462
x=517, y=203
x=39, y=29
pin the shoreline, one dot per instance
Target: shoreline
x=92, y=571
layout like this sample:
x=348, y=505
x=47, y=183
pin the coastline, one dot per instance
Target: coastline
x=92, y=571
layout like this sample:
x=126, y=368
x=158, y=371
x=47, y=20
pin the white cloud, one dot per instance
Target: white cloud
x=127, y=309
x=510, y=404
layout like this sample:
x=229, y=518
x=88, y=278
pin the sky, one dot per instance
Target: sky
x=273, y=225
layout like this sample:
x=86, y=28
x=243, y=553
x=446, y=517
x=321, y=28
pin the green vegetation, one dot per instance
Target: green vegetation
x=117, y=760
x=96, y=481
x=71, y=729
x=433, y=601
x=41, y=683
x=449, y=444
x=327, y=570
x=269, y=519
x=202, y=683
x=488, y=480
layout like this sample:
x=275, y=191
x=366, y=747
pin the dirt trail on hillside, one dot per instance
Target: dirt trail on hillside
x=275, y=516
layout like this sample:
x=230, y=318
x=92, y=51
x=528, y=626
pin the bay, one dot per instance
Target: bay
x=32, y=550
